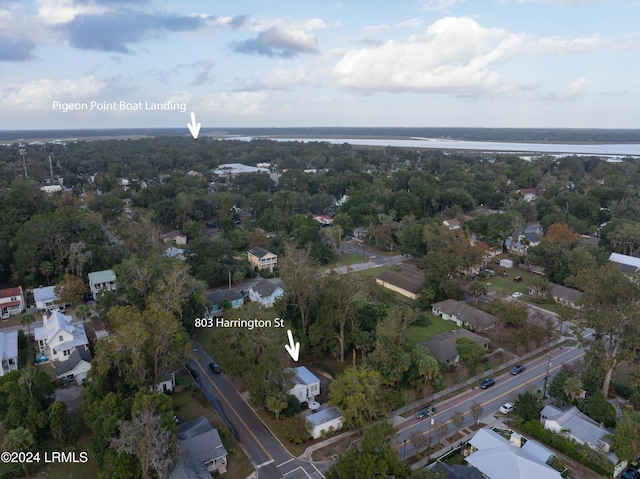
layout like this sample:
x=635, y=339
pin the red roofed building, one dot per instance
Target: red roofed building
x=529, y=194
x=11, y=302
x=324, y=220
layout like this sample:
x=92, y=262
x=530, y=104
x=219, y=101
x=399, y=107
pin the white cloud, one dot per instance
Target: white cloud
x=39, y=94
x=241, y=103
x=454, y=55
x=285, y=78
x=57, y=12
x=560, y=46
x=439, y=5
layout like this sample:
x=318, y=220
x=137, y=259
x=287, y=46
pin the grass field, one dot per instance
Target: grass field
x=346, y=259
x=427, y=328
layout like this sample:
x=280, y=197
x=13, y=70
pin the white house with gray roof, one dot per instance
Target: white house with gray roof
x=8, y=352
x=323, y=421
x=265, y=292
x=76, y=367
x=201, y=451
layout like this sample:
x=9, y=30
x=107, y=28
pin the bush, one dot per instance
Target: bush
x=296, y=429
x=293, y=407
x=634, y=399
x=624, y=391
x=598, y=408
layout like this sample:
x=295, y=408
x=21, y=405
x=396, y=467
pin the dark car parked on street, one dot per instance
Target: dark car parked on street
x=487, y=383
x=426, y=411
x=215, y=367
x=517, y=369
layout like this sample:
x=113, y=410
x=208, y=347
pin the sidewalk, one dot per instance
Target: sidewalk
x=306, y=455
x=487, y=421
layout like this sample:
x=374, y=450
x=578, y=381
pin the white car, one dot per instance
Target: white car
x=506, y=408
x=517, y=294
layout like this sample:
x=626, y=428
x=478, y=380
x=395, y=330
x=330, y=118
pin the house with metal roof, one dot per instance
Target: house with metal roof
x=325, y=420
x=306, y=385
x=8, y=352
x=499, y=458
x=46, y=298
x=577, y=426
x=102, y=281
x=58, y=337
x=627, y=264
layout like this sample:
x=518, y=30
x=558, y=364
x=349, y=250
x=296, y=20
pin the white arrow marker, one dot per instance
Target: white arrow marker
x=194, y=127
x=292, y=348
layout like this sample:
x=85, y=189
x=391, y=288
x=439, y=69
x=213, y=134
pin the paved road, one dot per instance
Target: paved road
x=267, y=454
x=506, y=389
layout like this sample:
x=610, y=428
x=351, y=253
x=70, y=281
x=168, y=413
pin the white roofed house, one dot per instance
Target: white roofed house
x=307, y=385
x=8, y=352
x=46, y=298
x=58, y=337
x=101, y=281
x=577, y=426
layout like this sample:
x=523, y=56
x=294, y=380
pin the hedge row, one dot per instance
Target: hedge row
x=586, y=456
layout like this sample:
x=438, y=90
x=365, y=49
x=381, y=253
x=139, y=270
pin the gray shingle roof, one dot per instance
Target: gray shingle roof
x=443, y=347
x=218, y=295
x=259, y=252
x=77, y=356
x=264, y=288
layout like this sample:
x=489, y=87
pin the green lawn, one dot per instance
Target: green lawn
x=428, y=328
x=372, y=272
x=346, y=259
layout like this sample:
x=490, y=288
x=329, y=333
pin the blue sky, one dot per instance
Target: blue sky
x=473, y=63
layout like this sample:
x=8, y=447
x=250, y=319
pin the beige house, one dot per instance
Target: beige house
x=176, y=237
x=262, y=259
x=409, y=286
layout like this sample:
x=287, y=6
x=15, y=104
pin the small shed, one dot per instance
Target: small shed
x=324, y=420
x=506, y=263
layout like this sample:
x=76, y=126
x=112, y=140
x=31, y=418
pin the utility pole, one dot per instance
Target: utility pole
x=546, y=378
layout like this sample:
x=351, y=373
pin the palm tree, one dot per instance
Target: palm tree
x=26, y=320
x=477, y=289
x=19, y=439
x=83, y=312
x=46, y=268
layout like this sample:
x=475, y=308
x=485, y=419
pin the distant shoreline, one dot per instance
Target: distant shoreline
x=543, y=136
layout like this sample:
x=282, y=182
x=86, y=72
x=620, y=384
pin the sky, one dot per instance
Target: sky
x=287, y=63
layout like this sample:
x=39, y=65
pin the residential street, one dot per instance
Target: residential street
x=506, y=389
x=272, y=460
